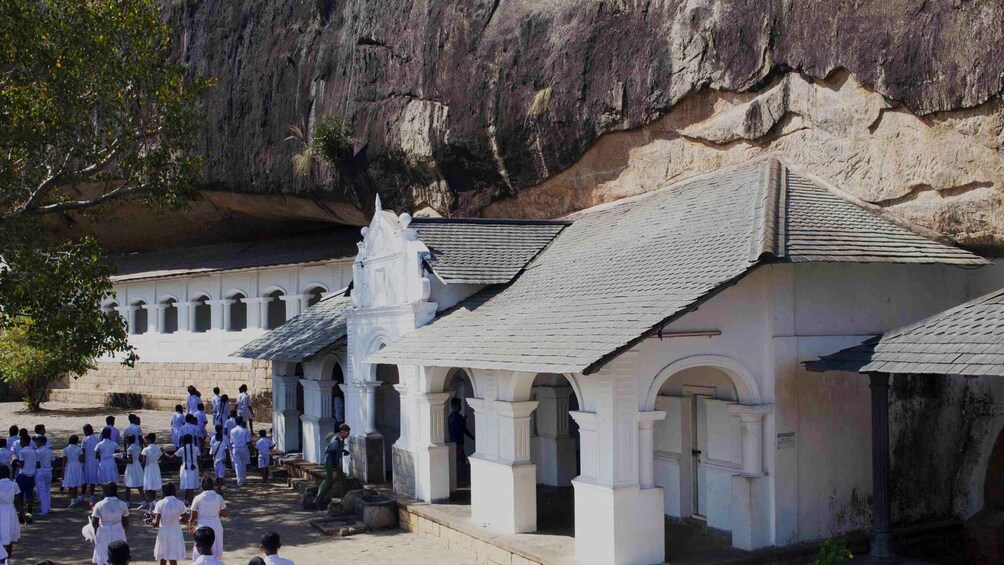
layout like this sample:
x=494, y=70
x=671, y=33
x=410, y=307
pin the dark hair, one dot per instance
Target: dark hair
x=169, y=489
x=455, y=403
x=344, y=428
x=74, y=440
x=224, y=398
x=151, y=437
x=243, y=388
x=3, y=443
x=111, y=489
x=186, y=444
x=257, y=561
x=205, y=537
x=110, y=420
x=187, y=438
x=216, y=390
x=40, y=429
x=192, y=389
x=208, y=483
x=23, y=432
x=131, y=418
x=25, y=441
x=13, y=430
x=270, y=542
x=191, y=419
x=41, y=440
x=106, y=433
x=178, y=408
x=262, y=433
x=201, y=406
x=118, y=553
x=233, y=412
x=4, y=472
x=219, y=433
x=131, y=438
x=88, y=429
x=239, y=421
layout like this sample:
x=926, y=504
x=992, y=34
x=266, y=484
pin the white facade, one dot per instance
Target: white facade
x=204, y=318
x=714, y=420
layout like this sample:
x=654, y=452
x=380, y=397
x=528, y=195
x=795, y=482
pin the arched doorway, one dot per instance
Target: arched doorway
x=298, y=371
x=461, y=388
x=984, y=540
x=554, y=448
x=388, y=413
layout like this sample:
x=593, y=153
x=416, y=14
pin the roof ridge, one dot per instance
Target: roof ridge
x=892, y=334
x=489, y=221
x=764, y=244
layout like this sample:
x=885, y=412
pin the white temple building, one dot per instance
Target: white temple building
x=648, y=353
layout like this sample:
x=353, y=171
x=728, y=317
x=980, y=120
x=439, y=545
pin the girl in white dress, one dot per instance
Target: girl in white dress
x=90, y=476
x=167, y=515
x=110, y=520
x=206, y=510
x=193, y=400
x=189, y=466
x=108, y=471
x=10, y=529
x=177, y=420
x=218, y=451
x=152, y=480
x=134, y=468
x=73, y=469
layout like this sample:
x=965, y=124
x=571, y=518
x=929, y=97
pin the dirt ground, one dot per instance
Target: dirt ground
x=255, y=509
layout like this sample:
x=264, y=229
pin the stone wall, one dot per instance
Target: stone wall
x=162, y=385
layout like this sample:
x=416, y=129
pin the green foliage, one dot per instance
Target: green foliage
x=91, y=107
x=332, y=140
x=833, y=552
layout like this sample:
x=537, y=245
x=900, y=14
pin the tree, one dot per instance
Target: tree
x=92, y=110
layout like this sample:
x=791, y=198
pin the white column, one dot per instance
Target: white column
x=646, y=447
x=556, y=457
x=185, y=315
x=161, y=318
x=285, y=415
x=127, y=313
x=751, y=496
x=255, y=318
x=369, y=412
x=292, y=305
x=317, y=420
x=618, y=510
x=226, y=313
x=432, y=455
x=504, y=484
x=304, y=302
x=191, y=316
x=220, y=313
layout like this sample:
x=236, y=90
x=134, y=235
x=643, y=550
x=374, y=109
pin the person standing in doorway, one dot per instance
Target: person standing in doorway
x=457, y=425
x=333, y=464
x=244, y=409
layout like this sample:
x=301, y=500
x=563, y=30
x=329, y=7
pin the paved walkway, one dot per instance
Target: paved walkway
x=253, y=510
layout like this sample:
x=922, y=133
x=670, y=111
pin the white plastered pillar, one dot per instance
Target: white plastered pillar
x=159, y=323
x=555, y=447
x=255, y=307
x=751, y=494
x=503, y=479
x=285, y=416
x=317, y=420
x=219, y=313
x=432, y=454
x=127, y=313
x=618, y=509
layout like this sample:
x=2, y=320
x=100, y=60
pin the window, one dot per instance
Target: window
x=202, y=315
x=314, y=295
x=238, y=313
x=140, y=318
x=169, y=324
x=276, y=311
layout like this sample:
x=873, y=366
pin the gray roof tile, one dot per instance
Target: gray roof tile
x=618, y=273
x=303, y=336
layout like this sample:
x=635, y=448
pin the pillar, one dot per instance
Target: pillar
x=556, y=448
x=367, y=452
x=619, y=515
x=220, y=314
x=304, y=302
x=503, y=480
x=255, y=308
x=191, y=316
x=881, y=536
x=751, y=497
x=285, y=416
x=317, y=420
x=432, y=454
x=292, y=305
x=126, y=312
x=155, y=318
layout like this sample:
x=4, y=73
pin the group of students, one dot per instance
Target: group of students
x=119, y=552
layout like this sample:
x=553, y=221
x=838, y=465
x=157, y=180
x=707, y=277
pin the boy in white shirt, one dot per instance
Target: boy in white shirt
x=201, y=421
x=270, y=545
x=43, y=478
x=264, y=447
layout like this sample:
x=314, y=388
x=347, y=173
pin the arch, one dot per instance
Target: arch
x=234, y=292
x=201, y=313
x=200, y=295
x=977, y=498
x=238, y=312
x=140, y=316
x=275, y=308
x=376, y=341
x=169, y=314
x=110, y=306
x=438, y=378
x=314, y=293
x=273, y=288
x=329, y=362
x=166, y=297
x=520, y=387
x=746, y=386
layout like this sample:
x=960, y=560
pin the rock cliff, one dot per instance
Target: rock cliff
x=537, y=108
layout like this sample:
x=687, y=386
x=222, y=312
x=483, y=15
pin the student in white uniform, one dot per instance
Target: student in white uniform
x=134, y=469
x=167, y=516
x=190, y=427
x=215, y=400
x=205, y=538
x=189, y=453
x=270, y=544
x=264, y=447
x=90, y=476
x=200, y=423
x=73, y=469
x=239, y=440
x=43, y=478
x=116, y=435
x=110, y=520
x=193, y=400
x=177, y=420
x=218, y=451
x=244, y=409
x=6, y=455
x=13, y=441
x=108, y=471
x=221, y=411
x=134, y=429
x=10, y=528
x=27, y=469
x=152, y=479
x=206, y=511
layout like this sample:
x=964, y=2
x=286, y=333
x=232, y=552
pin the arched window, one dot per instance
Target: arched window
x=140, y=317
x=111, y=307
x=169, y=316
x=276, y=311
x=202, y=315
x=238, y=313
x=314, y=295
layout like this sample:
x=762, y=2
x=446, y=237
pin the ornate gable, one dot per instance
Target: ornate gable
x=388, y=269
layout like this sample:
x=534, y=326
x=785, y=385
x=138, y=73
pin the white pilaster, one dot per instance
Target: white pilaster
x=751, y=497
x=432, y=455
x=556, y=465
x=255, y=309
x=285, y=416
x=317, y=420
x=504, y=485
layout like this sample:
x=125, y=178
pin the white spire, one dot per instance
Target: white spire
x=379, y=206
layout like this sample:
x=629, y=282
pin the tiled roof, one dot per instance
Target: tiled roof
x=303, y=336
x=966, y=340
x=336, y=243
x=619, y=273
x=483, y=251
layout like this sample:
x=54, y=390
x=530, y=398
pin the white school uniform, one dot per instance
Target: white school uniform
x=177, y=421
x=88, y=446
x=108, y=471
x=208, y=504
x=239, y=439
x=186, y=430
x=264, y=446
x=218, y=449
x=189, y=467
x=73, y=472
x=202, y=423
x=207, y=560
x=244, y=406
x=276, y=560
x=134, y=470
x=214, y=402
x=170, y=540
x=152, y=479
x=43, y=479
x=134, y=430
x=193, y=403
x=6, y=456
x=109, y=513
x=10, y=529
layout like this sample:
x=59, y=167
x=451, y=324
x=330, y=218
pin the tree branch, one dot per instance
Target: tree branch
x=123, y=189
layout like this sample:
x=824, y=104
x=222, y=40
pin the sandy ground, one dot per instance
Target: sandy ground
x=253, y=510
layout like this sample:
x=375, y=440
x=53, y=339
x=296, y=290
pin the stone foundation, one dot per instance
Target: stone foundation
x=404, y=472
x=160, y=386
x=366, y=453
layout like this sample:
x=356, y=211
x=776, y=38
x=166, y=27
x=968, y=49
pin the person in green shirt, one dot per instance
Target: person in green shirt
x=333, y=463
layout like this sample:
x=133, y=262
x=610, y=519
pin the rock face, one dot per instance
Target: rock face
x=538, y=108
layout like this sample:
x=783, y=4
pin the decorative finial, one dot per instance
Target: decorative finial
x=405, y=219
x=379, y=206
